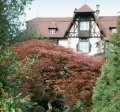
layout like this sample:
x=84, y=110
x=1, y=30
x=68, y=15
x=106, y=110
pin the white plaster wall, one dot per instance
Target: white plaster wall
x=74, y=41
x=63, y=42
x=94, y=49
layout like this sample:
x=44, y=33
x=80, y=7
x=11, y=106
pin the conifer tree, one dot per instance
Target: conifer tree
x=106, y=97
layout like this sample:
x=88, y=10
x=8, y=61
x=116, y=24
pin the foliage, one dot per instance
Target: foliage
x=23, y=36
x=80, y=107
x=41, y=37
x=106, y=97
x=61, y=110
x=9, y=103
x=27, y=35
x=59, y=74
x=10, y=13
x=11, y=74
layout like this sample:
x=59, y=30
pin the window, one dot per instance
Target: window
x=111, y=47
x=54, y=41
x=84, y=46
x=84, y=25
x=113, y=30
x=52, y=31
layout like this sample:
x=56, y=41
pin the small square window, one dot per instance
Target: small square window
x=113, y=30
x=52, y=31
x=84, y=46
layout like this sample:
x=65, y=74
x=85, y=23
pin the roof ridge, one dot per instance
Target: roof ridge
x=84, y=8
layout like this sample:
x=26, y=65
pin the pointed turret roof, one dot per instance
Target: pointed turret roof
x=84, y=8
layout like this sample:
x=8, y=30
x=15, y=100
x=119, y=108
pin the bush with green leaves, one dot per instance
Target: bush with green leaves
x=106, y=97
x=11, y=73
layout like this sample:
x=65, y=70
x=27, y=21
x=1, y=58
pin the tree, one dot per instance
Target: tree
x=10, y=14
x=106, y=97
x=23, y=36
x=10, y=72
x=59, y=74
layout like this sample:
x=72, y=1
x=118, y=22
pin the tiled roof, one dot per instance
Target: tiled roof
x=42, y=26
x=107, y=22
x=50, y=19
x=84, y=8
x=53, y=25
x=113, y=25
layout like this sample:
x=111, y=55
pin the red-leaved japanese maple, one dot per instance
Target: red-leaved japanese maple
x=58, y=71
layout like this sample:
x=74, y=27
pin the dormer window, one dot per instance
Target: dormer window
x=84, y=25
x=113, y=30
x=52, y=31
x=52, y=28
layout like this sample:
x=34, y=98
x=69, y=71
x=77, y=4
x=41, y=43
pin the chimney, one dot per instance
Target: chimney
x=97, y=11
x=75, y=10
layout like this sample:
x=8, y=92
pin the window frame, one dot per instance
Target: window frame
x=88, y=48
x=82, y=26
x=113, y=30
x=55, y=41
x=52, y=31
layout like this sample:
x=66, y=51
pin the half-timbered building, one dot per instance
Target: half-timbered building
x=84, y=32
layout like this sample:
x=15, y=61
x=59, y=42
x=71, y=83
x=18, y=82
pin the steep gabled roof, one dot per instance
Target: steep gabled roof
x=84, y=8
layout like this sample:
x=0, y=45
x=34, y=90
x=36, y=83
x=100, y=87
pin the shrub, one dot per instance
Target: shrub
x=58, y=73
x=11, y=73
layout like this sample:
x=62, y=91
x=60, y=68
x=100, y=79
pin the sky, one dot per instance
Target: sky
x=65, y=8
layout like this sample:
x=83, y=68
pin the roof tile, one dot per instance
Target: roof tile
x=107, y=22
x=84, y=8
x=53, y=25
x=41, y=25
